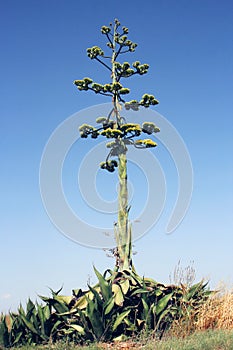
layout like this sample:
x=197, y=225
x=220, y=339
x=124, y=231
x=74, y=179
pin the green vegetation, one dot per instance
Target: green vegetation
x=119, y=307
x=209, y=340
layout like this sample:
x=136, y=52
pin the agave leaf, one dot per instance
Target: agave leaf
x=67, y=331
x=147, y=313
x=162, y=316
x=137, y=278
x=59, y=305
x=29, y=325
x=41, y=316
x=133, y=278
x=21, y=310
x=56, y=326
x=36, y=322
x=55, y=293
x=112, y=274
x=150, y=281
x=45, y=299
x=105, y=287
x=30, y=306
x=72, y=312
x=125, y=286
x=77, y=292
x=120, y=318
x=139, y=291
x=162, y=303
x=97, y=296
x=145, y=308
x=109, y=305
x=4, y=334
x=17, y=338
x=193, y=292
x=78, y=328
x=208, y=293
x=83, y=301
x=118, y=295
x=64, y=299
x=83, y=320
x=95, y=319
x=130, y=326
x=46, y=313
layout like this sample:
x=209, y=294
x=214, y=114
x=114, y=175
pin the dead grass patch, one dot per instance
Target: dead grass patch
x=217, y=313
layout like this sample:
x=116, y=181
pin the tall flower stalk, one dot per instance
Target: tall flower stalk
x=114, y=126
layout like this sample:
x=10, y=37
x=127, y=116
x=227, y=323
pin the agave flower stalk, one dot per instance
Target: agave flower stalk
x=115, y=127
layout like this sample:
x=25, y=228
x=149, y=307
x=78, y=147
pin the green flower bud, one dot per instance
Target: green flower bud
x=125, y=30
x=124, y=91
x=117, y=22
x=116, y=86
x=97, y=87
x=87, y=80
x=125, y=65
x=105, y=30
x=101, y=120
x=136, y=64
x=107, y=88
x=118, y=65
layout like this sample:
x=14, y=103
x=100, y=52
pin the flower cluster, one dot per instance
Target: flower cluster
x=146, y=101
x=106, y=89
x=147, y=143
x=83, y=84
x=117, y=129
x=149, y=128
x=134, y=129
x=111, y=133
x=125, y=71
x=94, y=52
x=109, y=165
x=86, y=130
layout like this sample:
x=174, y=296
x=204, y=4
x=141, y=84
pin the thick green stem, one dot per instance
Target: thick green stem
x=123, y=238
x=123, y=230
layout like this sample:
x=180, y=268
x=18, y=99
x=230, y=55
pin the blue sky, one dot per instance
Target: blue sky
x=188, y=45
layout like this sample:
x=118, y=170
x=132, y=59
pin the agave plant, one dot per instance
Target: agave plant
x=120, y=305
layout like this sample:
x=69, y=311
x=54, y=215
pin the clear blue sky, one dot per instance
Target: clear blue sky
x=188, y=45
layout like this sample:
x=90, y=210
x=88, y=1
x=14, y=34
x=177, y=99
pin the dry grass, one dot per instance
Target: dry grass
x=217, y=313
